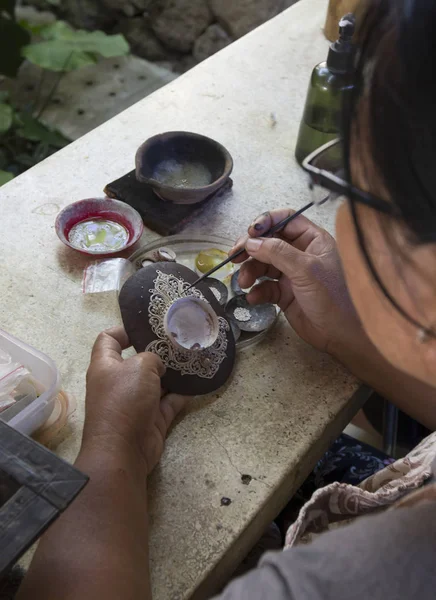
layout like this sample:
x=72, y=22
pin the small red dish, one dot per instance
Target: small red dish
x=99, y=208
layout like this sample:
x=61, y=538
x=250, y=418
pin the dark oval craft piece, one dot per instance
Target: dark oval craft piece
x=134, y=300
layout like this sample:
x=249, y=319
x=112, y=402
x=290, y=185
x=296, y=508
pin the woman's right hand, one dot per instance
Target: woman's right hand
x=309, y=284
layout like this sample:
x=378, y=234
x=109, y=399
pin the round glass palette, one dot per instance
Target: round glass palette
x=187, y=251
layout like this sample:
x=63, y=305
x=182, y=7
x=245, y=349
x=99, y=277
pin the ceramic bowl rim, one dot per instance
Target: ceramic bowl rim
x=228, y=162
x=132, y=216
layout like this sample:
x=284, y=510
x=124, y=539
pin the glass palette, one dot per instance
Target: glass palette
x=187, y=249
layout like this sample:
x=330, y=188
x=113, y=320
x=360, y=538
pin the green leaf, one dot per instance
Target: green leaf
x=56, y=57
x=4, y=95
x=12, y=39
x=6, y=117
x=35, y=131
x=5, y=176
x=56, y=30
x=8, y=6
x=66, y=49
x=34, y=28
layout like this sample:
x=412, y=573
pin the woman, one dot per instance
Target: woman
x=386, y=335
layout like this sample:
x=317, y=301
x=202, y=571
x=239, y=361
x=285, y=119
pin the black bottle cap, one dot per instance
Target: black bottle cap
x=341, y=54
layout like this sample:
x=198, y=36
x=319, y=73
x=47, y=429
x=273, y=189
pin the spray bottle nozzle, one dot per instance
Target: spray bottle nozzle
x=340, y=57
x=346, y=27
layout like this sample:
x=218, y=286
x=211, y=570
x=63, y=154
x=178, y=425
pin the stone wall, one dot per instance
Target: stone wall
x=176, y=33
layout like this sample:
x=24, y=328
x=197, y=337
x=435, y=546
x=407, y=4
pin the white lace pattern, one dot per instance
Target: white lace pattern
x=203, y=363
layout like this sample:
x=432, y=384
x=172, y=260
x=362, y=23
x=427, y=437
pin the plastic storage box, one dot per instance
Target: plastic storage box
x=45, y=377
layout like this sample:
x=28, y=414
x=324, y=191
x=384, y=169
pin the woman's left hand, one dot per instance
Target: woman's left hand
x=125, y=403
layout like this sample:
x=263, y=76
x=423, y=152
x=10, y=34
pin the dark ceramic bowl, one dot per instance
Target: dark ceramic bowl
x=183, y=167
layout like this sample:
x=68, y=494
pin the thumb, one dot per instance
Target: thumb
x=286, y=258
x=171, y=405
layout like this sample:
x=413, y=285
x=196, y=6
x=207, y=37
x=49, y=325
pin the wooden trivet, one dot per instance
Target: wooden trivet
x=166, y=218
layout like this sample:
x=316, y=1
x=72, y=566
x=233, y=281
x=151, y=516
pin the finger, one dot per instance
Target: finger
x=255, y=229
x=110, y=344
x=264, y=293
x=252, y=270
x=300, y=232
x=152, y=362
x=239, y=245
x=171, y=405
x=288, y=260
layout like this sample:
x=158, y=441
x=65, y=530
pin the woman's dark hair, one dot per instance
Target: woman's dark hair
x=392, y=111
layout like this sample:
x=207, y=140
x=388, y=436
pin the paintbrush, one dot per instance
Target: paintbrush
x=269, y=233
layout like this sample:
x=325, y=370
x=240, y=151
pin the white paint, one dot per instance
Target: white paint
x=182, y=174
x=98, y=235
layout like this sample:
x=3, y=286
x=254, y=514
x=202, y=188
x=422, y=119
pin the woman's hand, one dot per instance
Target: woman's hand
x=125, y=403
x=308, y=284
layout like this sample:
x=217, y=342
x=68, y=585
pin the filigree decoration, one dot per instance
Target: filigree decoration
x=203, y=363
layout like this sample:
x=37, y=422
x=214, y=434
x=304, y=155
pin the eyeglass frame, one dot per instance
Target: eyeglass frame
x=339, y=186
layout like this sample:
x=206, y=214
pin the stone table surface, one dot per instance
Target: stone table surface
x=286, y=402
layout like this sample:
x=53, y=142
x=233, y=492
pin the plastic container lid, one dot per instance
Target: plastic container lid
x=45, y=376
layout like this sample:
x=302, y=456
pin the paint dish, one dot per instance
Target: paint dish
x=191, y=324
x=235, y=329
x=252, y=319
x=210, y=258
x=234, y=284
x=183, y=167
x=218, y=289
x=99, y=226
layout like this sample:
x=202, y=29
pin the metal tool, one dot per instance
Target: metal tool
x=269, y=233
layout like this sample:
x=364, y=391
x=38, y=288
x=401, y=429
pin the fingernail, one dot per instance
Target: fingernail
x=259, y=224
x=253, y=244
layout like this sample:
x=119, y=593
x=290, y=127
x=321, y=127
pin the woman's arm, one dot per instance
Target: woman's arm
x=99, y=547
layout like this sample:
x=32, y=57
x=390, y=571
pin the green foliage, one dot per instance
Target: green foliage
x=24, y=139
x=5, y=176
x=31, y=129
x=65, y=49
x=6, y=117
x=8, y=7
x=13, y=39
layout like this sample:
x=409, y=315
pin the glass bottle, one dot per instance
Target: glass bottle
x=330, y=82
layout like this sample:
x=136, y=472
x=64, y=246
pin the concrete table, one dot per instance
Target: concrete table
x=286, y=402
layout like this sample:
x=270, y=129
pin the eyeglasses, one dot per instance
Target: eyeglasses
x=325, y=168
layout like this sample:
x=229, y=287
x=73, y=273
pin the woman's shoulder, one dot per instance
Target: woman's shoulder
x=390, y=555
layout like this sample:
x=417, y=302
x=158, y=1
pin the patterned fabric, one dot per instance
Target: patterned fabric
x=339, y=502
x=347, y=461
